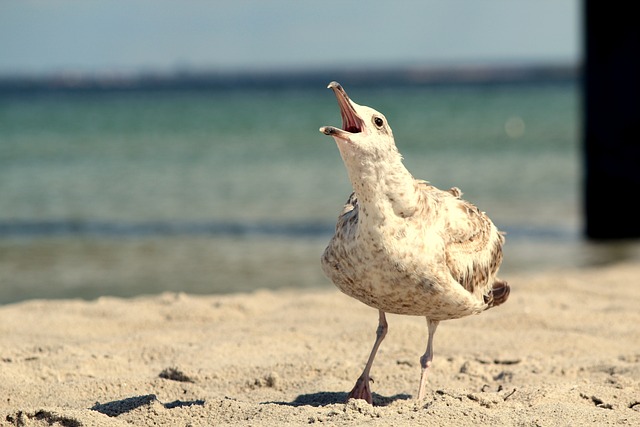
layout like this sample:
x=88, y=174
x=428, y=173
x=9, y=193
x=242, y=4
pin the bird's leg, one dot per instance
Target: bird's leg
x=362, y=390
x=427, y=358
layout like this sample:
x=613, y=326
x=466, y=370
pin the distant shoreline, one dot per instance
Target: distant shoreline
x=390, y=77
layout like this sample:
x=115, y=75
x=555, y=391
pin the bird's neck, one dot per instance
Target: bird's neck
x=382, y=186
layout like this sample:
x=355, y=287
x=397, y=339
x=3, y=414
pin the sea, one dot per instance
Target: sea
x=210, y=190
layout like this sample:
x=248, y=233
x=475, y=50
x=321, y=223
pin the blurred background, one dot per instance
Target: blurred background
x=174, y=146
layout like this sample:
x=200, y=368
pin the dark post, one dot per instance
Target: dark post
x=612, y=120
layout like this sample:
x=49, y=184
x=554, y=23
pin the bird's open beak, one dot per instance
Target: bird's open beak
x=351, y=122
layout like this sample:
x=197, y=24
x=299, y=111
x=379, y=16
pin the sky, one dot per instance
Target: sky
x=131, y=36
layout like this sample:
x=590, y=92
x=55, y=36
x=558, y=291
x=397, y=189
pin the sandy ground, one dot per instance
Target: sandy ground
x=564, y=350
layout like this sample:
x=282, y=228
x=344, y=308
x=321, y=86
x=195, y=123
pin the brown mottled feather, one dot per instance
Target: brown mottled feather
x=469, y=232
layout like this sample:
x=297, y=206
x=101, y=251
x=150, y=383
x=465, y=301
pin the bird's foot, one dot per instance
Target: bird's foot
x=361, y=390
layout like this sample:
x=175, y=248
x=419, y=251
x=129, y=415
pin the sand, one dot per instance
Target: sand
x=564, y=350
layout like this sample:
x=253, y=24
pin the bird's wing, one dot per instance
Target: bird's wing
x=473, y=245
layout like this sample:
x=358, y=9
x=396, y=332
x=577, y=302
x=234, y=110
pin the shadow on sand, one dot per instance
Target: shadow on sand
x=325, y=398
x=119, y=407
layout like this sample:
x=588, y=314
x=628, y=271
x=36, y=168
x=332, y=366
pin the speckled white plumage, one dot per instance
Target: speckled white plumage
x=401, y=245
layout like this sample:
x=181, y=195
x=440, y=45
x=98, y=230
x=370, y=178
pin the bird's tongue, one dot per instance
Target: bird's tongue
x=349, y=124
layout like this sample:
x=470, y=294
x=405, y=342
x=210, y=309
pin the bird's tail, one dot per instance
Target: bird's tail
x=498, y=294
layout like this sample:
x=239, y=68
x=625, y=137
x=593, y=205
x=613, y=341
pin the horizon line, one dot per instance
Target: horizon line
x=399, y=75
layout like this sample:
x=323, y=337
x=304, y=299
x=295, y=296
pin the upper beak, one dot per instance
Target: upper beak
x=351, y=122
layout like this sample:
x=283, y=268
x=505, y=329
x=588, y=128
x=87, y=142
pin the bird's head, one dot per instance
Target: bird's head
x=365, y=132
x=372, y=160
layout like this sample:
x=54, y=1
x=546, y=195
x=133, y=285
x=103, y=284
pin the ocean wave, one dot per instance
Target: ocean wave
x=75, y=228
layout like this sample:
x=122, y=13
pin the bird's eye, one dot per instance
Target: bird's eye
x=378, y=121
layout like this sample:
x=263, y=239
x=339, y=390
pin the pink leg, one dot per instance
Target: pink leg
x=427, y=358
x=362, y=390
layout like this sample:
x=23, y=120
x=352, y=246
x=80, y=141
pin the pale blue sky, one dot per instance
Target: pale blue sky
x=45, y=36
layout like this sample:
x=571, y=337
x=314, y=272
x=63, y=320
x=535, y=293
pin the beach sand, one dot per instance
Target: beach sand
x=564, y=350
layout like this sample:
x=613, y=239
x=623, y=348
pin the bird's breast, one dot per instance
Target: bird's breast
x=392, y=268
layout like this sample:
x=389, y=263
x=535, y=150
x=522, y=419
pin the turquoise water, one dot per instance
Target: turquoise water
x=127, y=193
x=257, y=156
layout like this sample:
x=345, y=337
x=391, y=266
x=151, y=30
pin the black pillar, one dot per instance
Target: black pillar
x=612, y=120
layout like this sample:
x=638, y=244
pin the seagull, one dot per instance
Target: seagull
x=402, y=245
